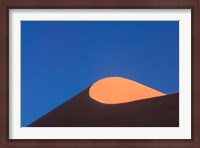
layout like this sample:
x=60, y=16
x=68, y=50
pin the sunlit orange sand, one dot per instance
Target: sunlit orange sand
x=115, y=90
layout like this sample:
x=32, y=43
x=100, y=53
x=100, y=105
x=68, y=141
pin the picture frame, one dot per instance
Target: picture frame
x=7, y=5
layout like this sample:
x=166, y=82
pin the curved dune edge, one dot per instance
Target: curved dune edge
x=116, y=90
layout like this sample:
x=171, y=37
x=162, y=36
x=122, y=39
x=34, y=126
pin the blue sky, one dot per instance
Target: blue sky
x=62, y=58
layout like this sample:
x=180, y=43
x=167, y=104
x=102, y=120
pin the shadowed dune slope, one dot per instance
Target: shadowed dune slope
x=82, y=111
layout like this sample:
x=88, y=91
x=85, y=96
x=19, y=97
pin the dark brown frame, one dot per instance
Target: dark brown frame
x=98, y=4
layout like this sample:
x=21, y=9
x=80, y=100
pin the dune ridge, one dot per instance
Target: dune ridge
x=115, y=90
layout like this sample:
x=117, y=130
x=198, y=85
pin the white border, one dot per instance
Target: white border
x=181, y=132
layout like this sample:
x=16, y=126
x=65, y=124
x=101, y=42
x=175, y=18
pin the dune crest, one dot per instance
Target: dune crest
x=116, y=90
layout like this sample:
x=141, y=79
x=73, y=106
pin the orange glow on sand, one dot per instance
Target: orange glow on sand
x=115, y=90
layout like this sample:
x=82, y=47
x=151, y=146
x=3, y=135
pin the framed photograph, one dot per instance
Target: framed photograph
x=100, y=73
